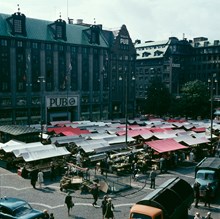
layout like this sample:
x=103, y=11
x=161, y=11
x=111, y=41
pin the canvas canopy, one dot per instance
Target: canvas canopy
x=165, y=145
x=43, y=154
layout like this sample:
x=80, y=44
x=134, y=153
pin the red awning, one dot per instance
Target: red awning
x=199, y=129
x=68, y=130
x=165, y=145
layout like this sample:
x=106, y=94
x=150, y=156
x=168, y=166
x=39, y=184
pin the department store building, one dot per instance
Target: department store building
x=54, y=71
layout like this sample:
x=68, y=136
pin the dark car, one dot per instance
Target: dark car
x=18, y=208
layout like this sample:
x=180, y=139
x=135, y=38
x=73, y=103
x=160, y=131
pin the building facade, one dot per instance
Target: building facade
x=175, y=62
x=53, y=71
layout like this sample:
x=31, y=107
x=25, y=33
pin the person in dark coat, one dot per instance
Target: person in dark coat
x=104, y=203
x=153, y=175
x=24, y=173
x=52, y=171
x=46, y=215
x=196, y=188
x=102, y=166
x=208, y=195
x=51, y=216
x=33, y=176
x=95, y=194
x=69, y=203
x=109, y=209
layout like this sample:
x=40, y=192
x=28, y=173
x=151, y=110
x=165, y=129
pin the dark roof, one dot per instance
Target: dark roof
x=18, y=130
x=39, y=30
x=209, y=163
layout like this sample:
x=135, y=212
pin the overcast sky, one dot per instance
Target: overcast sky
x=145, y=19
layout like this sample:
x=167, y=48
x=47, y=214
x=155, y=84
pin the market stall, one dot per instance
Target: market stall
x=74, y=177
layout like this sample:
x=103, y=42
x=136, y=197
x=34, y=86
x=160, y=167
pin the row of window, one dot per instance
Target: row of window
x=151, y=47
x=36, y=45
x=206, y=58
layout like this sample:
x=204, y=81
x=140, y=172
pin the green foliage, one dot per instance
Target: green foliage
x=158, y=98
x=194, y=99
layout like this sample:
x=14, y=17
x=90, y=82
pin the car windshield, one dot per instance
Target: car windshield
x=139, y=216
x=22, y=210
x=205, y=176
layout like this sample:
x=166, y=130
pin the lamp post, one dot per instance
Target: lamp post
x=126, y=105
x=41, y=80
x=211, y=81
x=28, y=87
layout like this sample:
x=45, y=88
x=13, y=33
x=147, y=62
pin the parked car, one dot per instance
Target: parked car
x=14, y=208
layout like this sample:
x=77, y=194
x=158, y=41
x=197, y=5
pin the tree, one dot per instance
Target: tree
x=158, y=98
x=194, y=99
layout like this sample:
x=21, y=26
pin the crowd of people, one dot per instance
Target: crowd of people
x=106, y=203
x=207, y=197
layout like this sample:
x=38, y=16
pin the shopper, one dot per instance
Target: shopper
x=152, y=178
x=40, y=178
x=208, y=215
x=69, y=203
x=196, y=188
x=46, y=215
x=197, y=216
x=52, y=171
x=208, y=195
x=34, y=176
x=104, y=203
x=51, y=216
x=95, y=193
x=109, y=209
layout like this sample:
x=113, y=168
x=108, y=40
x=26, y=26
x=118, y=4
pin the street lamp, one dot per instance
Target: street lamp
x=211, y=81
x=68, y=87
x=28, y=103
x=41, y=80
x=126, y=105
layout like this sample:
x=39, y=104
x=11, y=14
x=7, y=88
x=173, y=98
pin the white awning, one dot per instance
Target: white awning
x=9, y=143
x=43, y=154
x=10, y=148
x=19, y=152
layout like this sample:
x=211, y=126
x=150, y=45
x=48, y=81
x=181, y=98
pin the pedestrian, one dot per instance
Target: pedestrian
x=197, y=216
x=104, y=203
x=208, y=195
x=152, y=178
x=109, y=209
x=196, y=188
x=131, y=157
x=51, y=216
x=208, y=215
x=46, y=215
x=33, y=176
x=40, y=178
x=95, y=193
x=191, y=156
x=162, y=163
x=79, y=159
x=52, y=171
x=69, y=203
x=102, y=166
x=135, y=170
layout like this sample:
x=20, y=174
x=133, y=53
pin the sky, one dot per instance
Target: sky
x=145, y=20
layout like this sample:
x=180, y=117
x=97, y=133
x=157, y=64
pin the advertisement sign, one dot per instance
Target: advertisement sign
x=61, y=101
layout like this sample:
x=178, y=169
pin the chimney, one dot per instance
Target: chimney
x=70, y=20
x=79, y=21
